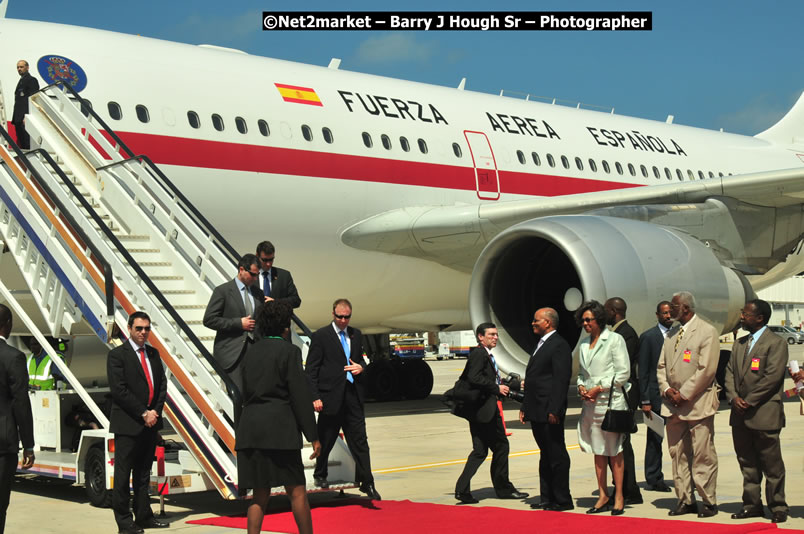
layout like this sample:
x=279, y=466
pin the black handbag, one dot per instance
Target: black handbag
x=462, y=399
x=621, y=421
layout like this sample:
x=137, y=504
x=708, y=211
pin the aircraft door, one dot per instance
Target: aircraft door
x=487, y=181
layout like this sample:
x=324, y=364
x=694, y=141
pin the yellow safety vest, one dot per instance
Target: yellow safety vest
x=39, y=376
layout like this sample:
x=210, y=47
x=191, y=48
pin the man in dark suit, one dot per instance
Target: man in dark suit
x=650, y=348
x=486, y=426
x=27, y=86
x=275, y=283
x=15, y=414
x=334, y=369
x=230, y=313
x=754, y=385
x=138, y=386
x=615, y=310
x=547, y=379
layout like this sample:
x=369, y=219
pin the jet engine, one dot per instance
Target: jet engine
x=562, y=261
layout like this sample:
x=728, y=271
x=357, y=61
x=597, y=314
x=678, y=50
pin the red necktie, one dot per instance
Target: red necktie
x=147, y=375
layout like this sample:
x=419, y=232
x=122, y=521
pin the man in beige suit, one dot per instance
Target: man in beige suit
x=686, y=376
x=754, y=385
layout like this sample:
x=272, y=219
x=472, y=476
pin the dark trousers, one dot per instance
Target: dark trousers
x=653, y=454
x=8, y=467
x=554, y=463
x=353, y=421
x=23, y=139
x=133, y=457
x=759, y=453
x=487, y=436
x=630, y=487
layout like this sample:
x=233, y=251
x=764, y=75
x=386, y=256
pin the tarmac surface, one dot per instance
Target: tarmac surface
x=418, y=450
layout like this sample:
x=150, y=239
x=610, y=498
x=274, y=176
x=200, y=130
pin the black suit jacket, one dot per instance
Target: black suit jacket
x=479, y=372
x=223, y=314
x=129, y=389
x=275, y=390
x=325, y=362
x=27, y=86
x=547, y=379
x=282, y=287
x=650, y=348
x=16, y=418
x=632, y=345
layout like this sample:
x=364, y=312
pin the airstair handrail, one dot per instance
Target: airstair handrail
x=105, y=265
x=166, y=182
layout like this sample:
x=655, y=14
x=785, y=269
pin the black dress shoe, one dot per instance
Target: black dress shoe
x=514, y=494
x=466, y=498
x=708, y=510
x=541, y=505
x=559, y=507
x=133, y=529
x=320, y=482
x=370, y=491
x=605, y=508
x=617, y=511
x=682, y=509
x=659, y=486
x=779, y=517
x=745, y=514
x=153, y=523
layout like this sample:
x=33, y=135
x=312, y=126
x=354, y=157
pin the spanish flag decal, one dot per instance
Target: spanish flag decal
x=298, y=95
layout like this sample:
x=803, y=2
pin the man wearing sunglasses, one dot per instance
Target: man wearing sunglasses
x=275, y=283
x=335, y=367
x=138, y=386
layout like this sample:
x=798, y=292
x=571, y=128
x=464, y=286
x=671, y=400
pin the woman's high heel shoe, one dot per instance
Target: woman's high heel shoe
x=605, y=508
x=617, y=511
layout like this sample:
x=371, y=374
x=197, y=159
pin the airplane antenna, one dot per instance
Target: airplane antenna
x=334, y=63
x=462, y=85
x=669, y=119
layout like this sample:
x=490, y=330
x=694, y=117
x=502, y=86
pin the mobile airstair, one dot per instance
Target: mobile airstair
x=97, y=233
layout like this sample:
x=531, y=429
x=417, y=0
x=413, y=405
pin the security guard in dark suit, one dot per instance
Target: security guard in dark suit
x=27, y=86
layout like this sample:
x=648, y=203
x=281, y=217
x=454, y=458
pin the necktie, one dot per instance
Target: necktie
x=266, y=283
x=147, y=375
x=496, y=369
x=749, y=345
x=539, y=345
x=678, y=339
x=345, y=345
x=249, y=307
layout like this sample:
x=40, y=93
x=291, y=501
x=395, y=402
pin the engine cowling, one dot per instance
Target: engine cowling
x=561, y=261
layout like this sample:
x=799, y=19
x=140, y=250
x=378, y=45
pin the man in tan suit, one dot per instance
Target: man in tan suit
x=754, y=384
x=686, y=376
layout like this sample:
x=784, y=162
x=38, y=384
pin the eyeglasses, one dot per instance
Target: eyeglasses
x=252, y=273
x=141, y=328
x=267, y=260
x=342, y=316
x=587, y=320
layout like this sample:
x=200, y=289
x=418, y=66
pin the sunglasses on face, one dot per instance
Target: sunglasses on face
x=141, y=328
x=343, y=316
x=587, y=320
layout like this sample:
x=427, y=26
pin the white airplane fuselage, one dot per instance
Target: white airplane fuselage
x=302, y=194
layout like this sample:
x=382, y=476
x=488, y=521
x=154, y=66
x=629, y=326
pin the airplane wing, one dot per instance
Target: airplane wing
x=454, y=235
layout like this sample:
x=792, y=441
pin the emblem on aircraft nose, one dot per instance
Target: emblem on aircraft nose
x=53, y=68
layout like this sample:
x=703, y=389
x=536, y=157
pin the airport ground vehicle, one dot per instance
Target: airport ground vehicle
x=790, y=334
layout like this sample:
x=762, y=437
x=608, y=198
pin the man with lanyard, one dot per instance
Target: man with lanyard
x=42, y=373
x=486, y=427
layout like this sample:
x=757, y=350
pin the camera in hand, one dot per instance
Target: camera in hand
x=514, y=383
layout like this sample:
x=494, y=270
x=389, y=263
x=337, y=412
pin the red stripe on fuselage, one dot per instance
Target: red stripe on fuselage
x=185, y=152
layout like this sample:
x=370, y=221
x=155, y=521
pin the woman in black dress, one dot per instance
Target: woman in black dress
x=277, y=405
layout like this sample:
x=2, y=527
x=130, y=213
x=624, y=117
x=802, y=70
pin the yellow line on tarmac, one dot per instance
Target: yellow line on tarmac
x=457, y=462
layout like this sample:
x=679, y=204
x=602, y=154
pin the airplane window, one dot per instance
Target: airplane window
x=656, y=172
x=114, y=111
x=192, y=118
x=217, y=122
x=456, y=148
x=618, y=167
x=565, y=162
x=241, y=125
x=680, y=175
x=720, y=174
x=631, y=169
x=606, y=166
x=142, y=113
x=579, y=164
x=367, y=140
x=263, y=126
x=307, y=133
x=701, y=175
x=644, y=171
x=422, y=146
x=386, y=141
x=327, y=133
x=592, y=165
x=711, y=174
x=403, y=142
x=668, y=173
x=550, y=160
x=536, y=159
x=521, y=157
x=690, y=175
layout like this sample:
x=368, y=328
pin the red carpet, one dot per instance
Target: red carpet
x=354, y=516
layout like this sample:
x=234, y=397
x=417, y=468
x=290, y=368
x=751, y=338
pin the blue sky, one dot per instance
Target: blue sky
x=734, y=64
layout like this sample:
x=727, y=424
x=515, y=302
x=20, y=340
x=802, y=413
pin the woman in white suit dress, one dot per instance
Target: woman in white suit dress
x=603, y=357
